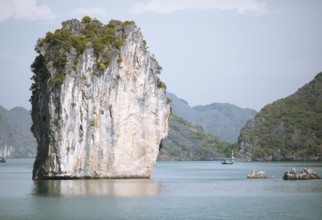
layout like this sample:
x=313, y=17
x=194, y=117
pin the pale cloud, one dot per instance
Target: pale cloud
x=93, y=12
x=28, y=10
x=170, y=6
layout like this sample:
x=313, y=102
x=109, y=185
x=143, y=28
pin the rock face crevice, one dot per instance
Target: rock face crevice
x=103, y=113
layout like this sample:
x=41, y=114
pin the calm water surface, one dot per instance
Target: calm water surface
x=176, y=190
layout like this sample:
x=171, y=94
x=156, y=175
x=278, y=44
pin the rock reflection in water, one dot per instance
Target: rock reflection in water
x=104, y=187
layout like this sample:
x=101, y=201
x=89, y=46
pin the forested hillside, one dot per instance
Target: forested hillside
x=288, y=129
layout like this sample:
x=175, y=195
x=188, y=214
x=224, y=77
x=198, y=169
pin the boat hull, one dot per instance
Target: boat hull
x=227, y=162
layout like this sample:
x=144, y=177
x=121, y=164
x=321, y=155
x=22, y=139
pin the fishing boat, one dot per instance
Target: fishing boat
x=228, y=160
x=2, y=160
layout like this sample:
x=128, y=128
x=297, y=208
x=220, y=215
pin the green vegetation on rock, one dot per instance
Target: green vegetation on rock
x=288, y=129
x=161, y=84
x=73, y=39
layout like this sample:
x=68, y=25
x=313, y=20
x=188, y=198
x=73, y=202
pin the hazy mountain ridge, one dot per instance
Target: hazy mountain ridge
x=223, y=120
x=287, y=129
x=16, y=139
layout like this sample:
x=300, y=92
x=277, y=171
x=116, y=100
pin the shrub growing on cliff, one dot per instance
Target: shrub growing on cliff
x=119, y=60
x=161, y=85
x=87, y=19
x=57, y=80
x=101, y=66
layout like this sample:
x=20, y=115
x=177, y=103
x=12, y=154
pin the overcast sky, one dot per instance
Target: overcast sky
x=244, y=52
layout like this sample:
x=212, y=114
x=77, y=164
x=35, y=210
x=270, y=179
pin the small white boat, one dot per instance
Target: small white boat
x=228, y=160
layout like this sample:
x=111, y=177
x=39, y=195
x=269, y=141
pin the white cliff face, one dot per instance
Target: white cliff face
x=101, y=123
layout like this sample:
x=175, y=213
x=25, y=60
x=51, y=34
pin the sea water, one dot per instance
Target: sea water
x=176, y=190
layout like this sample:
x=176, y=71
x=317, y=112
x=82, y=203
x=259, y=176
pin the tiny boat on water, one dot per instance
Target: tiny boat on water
x=2, y=160
x=228, y=160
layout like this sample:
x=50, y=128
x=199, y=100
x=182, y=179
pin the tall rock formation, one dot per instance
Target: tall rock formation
x=99, y=109
x=287, y=129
